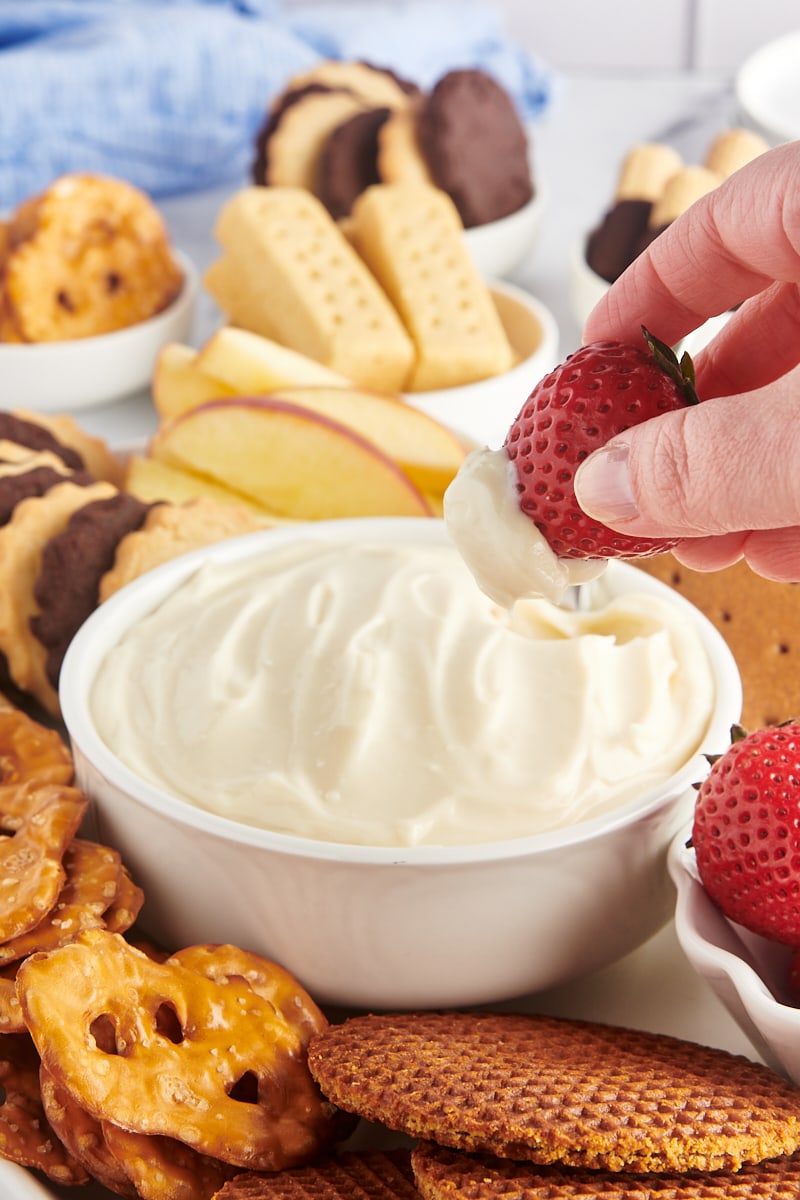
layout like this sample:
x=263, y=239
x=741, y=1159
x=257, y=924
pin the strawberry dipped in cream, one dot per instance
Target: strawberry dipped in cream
x=513, y=514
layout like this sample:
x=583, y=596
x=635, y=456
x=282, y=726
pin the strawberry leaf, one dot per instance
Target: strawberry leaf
x=681, y=372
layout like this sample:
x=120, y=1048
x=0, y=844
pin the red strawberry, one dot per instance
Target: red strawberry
x=746, y=832
x=599, y=391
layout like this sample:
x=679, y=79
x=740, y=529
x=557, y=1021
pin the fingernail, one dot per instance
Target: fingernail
x=603, y=485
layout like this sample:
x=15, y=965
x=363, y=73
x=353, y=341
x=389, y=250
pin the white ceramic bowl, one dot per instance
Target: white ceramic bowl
x=17, y=1183
x=767, y=89
x=381, y=926
x=482, y=412
x=499, y=247
x=746, y=972
x=59, y=376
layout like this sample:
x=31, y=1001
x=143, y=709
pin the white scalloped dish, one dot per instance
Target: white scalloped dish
x=746, y=972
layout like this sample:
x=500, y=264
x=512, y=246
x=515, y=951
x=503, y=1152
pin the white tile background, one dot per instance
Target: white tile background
x=640, y=36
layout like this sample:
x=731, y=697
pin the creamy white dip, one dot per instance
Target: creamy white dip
x=373, y=694
x=508, y=556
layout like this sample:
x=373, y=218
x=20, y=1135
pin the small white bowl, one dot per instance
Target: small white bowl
x=767, y=87
x=482, y=412
x=58, y=376
x=499, y=247
x=17, y=1183
x=746, y=972
x=383, y=926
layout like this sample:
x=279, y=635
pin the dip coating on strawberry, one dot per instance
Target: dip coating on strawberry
x=746, y=832
x=599, y=391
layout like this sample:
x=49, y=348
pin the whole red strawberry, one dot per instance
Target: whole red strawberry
x=599, y=391
x=746, y=832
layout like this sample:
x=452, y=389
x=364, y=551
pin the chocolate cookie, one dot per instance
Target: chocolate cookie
x=475, y=146
x=348, y=161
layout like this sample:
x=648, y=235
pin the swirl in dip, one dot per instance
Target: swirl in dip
x=373, y=694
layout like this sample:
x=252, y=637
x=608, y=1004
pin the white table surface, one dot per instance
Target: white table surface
x=577, y=150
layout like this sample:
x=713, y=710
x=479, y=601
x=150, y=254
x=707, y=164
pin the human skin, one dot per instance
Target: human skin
x=724, y=475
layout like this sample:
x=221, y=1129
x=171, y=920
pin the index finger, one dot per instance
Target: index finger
x=731, y=244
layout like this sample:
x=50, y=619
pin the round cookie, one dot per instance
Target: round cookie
x=348, y=161
x=370, y=1175
x=443, y=1174
x=550, y=1090
x=90, y=255
x=475, y=146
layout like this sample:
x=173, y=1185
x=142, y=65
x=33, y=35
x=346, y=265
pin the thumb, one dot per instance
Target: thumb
x=728, y=464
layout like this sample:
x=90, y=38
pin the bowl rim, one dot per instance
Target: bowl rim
x=550, y=338
x=104, y=626
x=748, y=91
x=519, y=216
x=117, y=338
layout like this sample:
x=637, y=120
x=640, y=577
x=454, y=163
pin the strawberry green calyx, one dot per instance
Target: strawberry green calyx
x=680, y=370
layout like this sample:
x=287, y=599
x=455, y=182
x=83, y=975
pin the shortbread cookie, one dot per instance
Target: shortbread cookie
x=322, y=299
x=549, y=1090
x=759, y=620
x=443, y=1174
x=22, y=541
x=72, y=565
x=88, y=256
x=410, y=236
x=32, y=474
x=292, y=152
x=375, y=86
x=734, y=149
x=94, y=453
x=399, y=158
x=475, y=146
x=372, y=1175
x=172, y=529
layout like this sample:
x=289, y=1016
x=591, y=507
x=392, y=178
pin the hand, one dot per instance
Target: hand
x=725, y=474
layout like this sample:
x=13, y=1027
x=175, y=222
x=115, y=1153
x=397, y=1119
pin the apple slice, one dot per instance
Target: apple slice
x=152, y=480
x=429, y=453
x=293, y=461
x=179, y=384
x=250, y=363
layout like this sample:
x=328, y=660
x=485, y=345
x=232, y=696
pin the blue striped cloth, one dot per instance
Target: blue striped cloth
x=171, y=93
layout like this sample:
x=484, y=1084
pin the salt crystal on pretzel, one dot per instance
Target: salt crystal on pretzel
x=159, y=1049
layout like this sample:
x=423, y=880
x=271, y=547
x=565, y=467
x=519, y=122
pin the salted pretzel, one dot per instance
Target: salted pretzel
x=43, y=821
x=126, y=905
x=82, y=1136
x=160, y=1049
x=87, y=256
x=25, y=1135
x=271, y=981
x=92, y=878
x=10, y=1012
x=28, y=751
x=162, y=1168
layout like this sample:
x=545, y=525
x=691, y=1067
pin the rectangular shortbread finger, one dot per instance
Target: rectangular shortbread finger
x=322, y=300
x=411, y=237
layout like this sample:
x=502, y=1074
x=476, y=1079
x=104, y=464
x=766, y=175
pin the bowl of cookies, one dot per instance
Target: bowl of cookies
x=396, y=305
x=316, y=741
x=91, y=290
x=342, y=127
x=654, y=186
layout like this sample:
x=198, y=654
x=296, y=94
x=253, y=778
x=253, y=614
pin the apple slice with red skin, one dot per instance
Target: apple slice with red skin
x=292, y=460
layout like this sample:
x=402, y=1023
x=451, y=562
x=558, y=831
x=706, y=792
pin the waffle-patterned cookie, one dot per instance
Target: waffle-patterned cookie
x=551, y=1090
x=374, y=1175
x=443, y=1174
